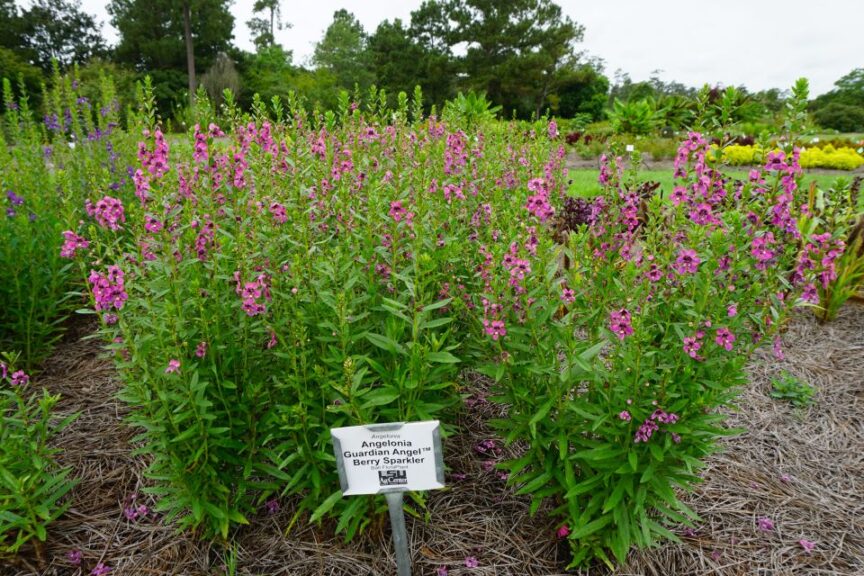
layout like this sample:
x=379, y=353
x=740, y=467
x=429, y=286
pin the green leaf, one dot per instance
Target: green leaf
x=385, y=343
x=442, y=357
x=614, y=498
x=380, y=397
x=591, y=527
x=542, y=412
x=325, y=506
x=437, y=305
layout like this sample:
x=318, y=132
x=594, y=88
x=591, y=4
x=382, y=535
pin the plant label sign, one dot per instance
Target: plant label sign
x=380, y=458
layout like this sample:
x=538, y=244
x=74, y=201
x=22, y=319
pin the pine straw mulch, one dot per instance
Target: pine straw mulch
x=802, y=468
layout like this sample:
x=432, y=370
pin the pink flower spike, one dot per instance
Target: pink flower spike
x=173, y=366
x=441, y=571
x=471, y=562
x=20, y=378
x=807, y=545
x=765, y=524
x=563, y=531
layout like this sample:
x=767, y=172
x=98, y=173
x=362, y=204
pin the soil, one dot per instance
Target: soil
x=802, y=468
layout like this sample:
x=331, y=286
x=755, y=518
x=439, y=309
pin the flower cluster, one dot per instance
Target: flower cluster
x=71, y=243
x=538, y=203
x=252, y=293
x=650, y=426
x=108, y=212
x=109, y=290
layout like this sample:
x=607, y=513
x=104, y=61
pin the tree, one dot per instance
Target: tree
x=264, y=29
x=156, y=36
x=516, y=52
x=221, y=76
x=842, y=108
x=59, y=30
x=10, y=24
x=342, y=51
x=399, y=62
x=582, y=91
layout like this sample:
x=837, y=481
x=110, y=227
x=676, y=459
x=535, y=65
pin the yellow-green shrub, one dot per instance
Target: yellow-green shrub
x=844, y=158
x=736, y=155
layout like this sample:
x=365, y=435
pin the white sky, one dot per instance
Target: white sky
x=757, y=43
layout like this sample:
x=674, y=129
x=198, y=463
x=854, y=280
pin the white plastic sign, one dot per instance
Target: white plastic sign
x=389, y=457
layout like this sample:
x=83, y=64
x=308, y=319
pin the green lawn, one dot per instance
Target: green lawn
x=584, y=181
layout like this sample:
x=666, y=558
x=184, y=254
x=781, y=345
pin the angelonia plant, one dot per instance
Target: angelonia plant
x=48, y=166
x=272, y=281
x=263, y=281
x=614, y=349
x=32, y=484
x=836, y=216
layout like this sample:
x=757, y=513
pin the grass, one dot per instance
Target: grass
x=584, y=181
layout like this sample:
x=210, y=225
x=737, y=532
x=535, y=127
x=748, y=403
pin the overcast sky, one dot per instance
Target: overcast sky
x=757, y=43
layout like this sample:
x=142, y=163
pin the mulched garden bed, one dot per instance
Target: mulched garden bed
x=801, y=468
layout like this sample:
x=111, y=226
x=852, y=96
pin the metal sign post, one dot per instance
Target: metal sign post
x=400, y=534
x=390, y=459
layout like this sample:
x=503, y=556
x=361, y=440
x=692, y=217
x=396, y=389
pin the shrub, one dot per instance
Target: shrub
x=842, y=117
x=635, y=117
x=827, y=157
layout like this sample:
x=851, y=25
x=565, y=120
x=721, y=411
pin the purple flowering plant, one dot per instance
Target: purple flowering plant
x=665, y=310
x=304, y=274
x=42, y=196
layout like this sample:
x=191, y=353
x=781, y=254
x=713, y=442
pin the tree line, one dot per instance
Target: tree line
x=523, y=54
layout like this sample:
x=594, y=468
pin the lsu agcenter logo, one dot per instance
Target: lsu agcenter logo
x=392, y=477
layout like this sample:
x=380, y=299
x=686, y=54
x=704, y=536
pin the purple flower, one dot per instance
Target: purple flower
x=807, y=545
x=108, y=212
x=173, y=366
x=272, y=506
x=19, y=378
x=645, y=431
x=778, y=348
x=732, y=310
x=679, y=195
x=441, y=571
x=14, y=198
x=100, y=570
x=563, y=531
x=71, y=243
x=624, y=415
x=495, y=328
x=620, y=323
x=776, y=161
x=701, y=214
x=471, y=562
x=687, y=262
x=397, y=212
x=74, y=557
x=724, y=338
x=765, y=524
x=568, y=295
x=692, y=346
x=109, y=290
